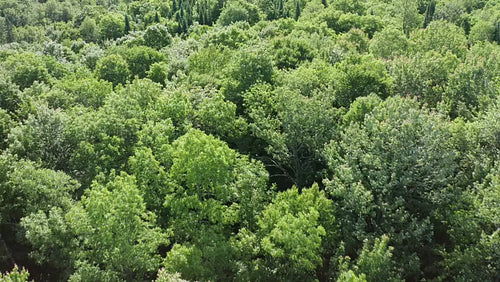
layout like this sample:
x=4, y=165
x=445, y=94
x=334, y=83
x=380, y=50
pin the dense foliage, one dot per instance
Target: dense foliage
x=260, y=140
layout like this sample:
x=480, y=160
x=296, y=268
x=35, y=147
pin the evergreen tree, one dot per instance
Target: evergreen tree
x=297, y=9
x=497, y=32
x=127, y=24
x=429, y=12
x=280, y=9
x=174, y=6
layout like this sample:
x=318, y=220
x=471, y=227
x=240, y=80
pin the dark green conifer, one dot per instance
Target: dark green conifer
x=497, y=32
x=297, y=9
x=127, y=24
x=280, y=9
x=429, y=13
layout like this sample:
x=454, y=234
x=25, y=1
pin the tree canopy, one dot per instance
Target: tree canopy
x=260, y=140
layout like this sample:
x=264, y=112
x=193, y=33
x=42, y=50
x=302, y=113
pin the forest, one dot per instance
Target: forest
x=249, y=140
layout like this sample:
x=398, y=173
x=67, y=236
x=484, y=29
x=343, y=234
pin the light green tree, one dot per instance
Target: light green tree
x=360, y=76
x=113, y=68
x=140, y=58
x=26, y=68
x=213, y=190
x=43, y=137
x=294, y=129
x=407, y=11
x=475, y=232
x=388, y=43
x=424, y=75
x=107, y=227
x=113, y=225
x=27, y=188
x=6, y=123
x=15, y=275
x=248, y=67
x=381, y=188
x=293, y=242
x=158, y=72
x=112, y=26
x=442, y=37
x=235, y=11
x=157, y=36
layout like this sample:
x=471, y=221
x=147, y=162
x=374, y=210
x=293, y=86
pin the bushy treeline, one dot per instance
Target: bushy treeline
x=262, y=140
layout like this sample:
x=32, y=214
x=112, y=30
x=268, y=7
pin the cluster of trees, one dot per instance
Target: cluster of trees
x=261, y=140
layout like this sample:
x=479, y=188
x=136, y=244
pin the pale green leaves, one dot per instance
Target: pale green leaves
x=293, y=234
